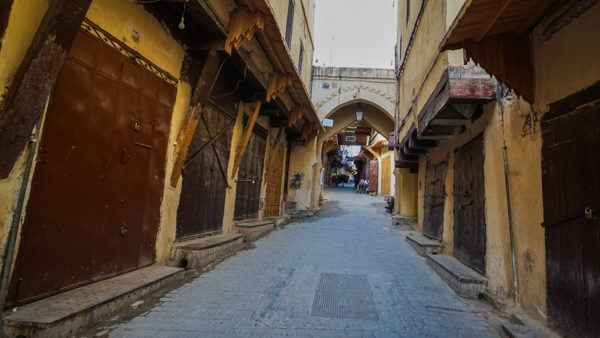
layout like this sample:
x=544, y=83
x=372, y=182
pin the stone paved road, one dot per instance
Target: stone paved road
x=296, y=282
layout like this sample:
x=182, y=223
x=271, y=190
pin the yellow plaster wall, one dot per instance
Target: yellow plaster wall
x=568, y=62
x=524, y=146
x=121, y=18
x=170, y=199
x=303, y=159
x=25, y=17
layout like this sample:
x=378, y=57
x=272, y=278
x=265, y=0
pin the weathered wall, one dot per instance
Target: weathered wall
x=302, y=31
x=559, y=70
x=303, y=159
x=25, y=17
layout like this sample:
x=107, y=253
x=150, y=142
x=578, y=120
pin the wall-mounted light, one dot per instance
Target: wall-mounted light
x=359, y=115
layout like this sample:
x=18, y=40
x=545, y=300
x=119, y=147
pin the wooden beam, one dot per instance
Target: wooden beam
x=26, y=97
x=241, y=148
x=208, y=76
x=501, y=8
x=243, y=23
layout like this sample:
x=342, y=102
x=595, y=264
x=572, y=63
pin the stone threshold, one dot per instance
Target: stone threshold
x=279, y=221
x=423, y=245
x=254, y=229
x=404, y=223
x=465, y=281
x=200, y=252
x=69, y=312
x=253, y=223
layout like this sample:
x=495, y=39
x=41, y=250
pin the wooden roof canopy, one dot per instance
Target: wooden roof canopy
x=493, y=34
x=275, y=47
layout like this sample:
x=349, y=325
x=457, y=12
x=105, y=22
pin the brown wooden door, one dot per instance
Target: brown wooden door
x=202, y=200
x=94, y=206
x=435, y=196
x=373, y=175
x=247, y=196
x=571, y=185
x=274, y=179
x=469, y=205
x=386, y=173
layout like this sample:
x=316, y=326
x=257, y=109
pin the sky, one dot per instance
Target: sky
x=355, y=33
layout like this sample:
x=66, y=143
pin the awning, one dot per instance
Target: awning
x=273, y=42
x=492, y=34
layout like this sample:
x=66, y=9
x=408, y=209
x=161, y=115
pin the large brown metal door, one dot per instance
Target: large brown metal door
x=274, y=179
x=247, y=196
x=204, y=184
x=571, y=187
x=469, y=205
x=373, y=175
x=435, y=195
x=94, y=206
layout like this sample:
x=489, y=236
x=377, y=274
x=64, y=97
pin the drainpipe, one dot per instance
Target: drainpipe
x=9, y=248
x=499, y=99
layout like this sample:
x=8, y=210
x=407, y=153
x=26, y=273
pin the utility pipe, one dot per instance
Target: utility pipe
x=513, y=254
x=9, y=248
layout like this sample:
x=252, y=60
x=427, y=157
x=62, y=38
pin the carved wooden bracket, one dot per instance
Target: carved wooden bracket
x=208, y=76
x=279, y=82
x=254, y=109
x=242, y=25
x=297, y=113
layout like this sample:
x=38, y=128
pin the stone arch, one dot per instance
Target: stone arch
x=354, y=94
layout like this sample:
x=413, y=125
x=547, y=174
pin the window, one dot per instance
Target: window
x=325, y=85
x=290, y=24
x=407, y=10
x=300, y=57
x=333, y=85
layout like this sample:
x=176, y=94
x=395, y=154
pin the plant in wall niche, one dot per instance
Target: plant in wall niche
x=296, y=180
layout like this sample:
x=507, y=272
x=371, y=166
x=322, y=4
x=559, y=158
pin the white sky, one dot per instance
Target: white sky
x=355, y=33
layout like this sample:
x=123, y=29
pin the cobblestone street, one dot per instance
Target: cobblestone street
x=344, y=272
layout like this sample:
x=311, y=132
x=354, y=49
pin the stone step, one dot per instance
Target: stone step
x=254, y=229
x=512, y=330
x=465, y=281
x=423, y=245
x=199, y=252
x=253, y=223
x=70, y=312
x=404, y=223
x=279, y=221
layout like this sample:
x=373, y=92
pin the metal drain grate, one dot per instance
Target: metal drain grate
x=344, y=296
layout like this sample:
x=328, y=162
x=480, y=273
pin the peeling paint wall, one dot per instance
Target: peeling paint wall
x=25, y=17
x=303, y=158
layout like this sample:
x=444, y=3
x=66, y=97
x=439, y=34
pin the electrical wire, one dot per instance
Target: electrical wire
x=237, y=85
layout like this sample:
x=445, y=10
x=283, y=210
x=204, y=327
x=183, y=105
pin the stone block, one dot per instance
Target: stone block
x=254, y=229
x=404, y=223
x=423, y=245
x=198, y=253
x=465, y=281
x=70, y=312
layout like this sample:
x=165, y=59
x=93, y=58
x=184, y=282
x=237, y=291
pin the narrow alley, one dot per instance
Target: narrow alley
x=309, y=168
x=344, y=273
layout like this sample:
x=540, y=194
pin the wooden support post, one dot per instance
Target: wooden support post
x=208, y=76
x=241, y=148
x=28, y=93
x=277, y=142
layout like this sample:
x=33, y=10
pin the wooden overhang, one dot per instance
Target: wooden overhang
x=274, y=45
x=494, y=33
x=457, y=96
x=456, y=101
